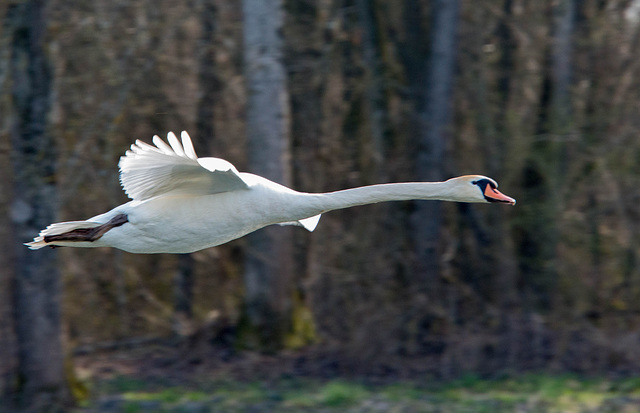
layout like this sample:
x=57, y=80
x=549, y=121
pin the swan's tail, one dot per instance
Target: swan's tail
x=75, y=233
x=54, y=233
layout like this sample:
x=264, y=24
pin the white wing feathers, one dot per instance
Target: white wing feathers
x=147, y=171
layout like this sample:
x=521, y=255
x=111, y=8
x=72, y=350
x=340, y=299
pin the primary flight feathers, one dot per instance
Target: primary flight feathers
x=147, y=171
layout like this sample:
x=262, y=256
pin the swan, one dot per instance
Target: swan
x=182, y=203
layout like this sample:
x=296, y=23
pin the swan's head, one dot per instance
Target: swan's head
x=478, y=188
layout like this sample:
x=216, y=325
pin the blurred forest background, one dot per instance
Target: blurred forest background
x=543, y=96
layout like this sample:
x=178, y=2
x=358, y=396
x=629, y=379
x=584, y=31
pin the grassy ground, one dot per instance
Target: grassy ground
x=526, y=393
x=199, y=379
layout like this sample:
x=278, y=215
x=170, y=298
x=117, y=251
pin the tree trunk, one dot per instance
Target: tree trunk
x=375, y=103
x=544, y=169
x=183, y=296
x=499, y=250
x=430, y=72
x=561, y=71
x=41, y=384
x=268, y=264
x=209, y=87
x=435, y=124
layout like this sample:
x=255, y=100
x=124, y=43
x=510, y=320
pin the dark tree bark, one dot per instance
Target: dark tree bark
x=183, y=295
x=269, y=258
x=564, y=16
x=40, y=381
x=497, y=248
x=207, y=78
x=375, y=102
x=204, y=136
x=429, y=59
x=544, y=170
x=435, y=125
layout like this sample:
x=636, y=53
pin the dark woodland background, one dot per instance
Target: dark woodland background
x=543, y=96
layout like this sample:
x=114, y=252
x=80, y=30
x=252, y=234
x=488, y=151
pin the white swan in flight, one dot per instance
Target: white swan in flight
x=182, y=203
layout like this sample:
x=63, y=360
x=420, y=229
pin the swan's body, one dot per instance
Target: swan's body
x=181, y=203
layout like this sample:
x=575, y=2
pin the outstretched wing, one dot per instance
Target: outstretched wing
x=147, y=171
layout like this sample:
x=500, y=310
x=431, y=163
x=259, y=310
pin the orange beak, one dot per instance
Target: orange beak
x=493, y=195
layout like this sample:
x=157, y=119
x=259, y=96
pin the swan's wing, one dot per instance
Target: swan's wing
x=147, y=171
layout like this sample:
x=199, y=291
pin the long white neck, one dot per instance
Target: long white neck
x=383, y=192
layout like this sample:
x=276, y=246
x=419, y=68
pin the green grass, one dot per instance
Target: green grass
x=524, y=393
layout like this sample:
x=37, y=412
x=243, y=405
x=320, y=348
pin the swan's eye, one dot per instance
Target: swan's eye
x=483, y=183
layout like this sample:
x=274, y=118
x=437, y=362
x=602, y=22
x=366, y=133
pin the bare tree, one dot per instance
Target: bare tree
x=377, y=112
x=209, y=88
x=41, y=381
x=269, y=259
x=545, y=165
x=435, y=123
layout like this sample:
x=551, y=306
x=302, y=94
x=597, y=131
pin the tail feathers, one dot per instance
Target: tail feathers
x=57, y=229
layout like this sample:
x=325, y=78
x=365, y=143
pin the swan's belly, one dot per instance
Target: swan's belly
x=167, y=239
x=182, y=225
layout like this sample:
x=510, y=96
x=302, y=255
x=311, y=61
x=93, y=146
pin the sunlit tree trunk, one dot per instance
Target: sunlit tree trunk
x=40, y=382
x=268, y=264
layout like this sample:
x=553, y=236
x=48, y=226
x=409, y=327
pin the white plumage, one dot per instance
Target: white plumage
x=182, y=203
